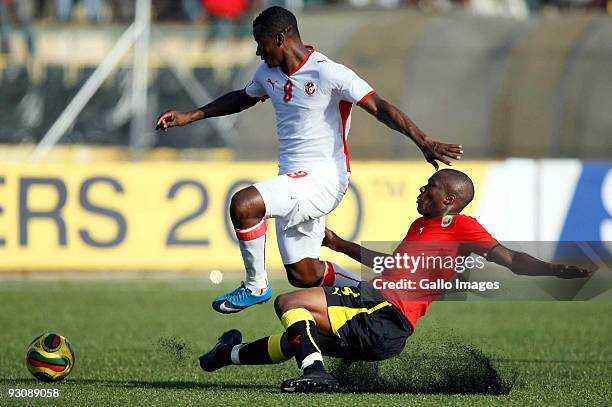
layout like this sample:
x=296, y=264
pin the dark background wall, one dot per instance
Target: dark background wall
x=540, y=87
x=501, y=87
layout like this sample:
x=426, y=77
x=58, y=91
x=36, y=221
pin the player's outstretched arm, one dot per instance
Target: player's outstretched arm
x=231, y=103
x=394, y=118
x=353, y=250
x=525, y=264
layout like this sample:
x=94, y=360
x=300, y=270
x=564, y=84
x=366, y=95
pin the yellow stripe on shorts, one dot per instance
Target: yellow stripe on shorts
x=339, y=315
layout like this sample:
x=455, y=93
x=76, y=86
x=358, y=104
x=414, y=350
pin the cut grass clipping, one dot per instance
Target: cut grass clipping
x=175, y=349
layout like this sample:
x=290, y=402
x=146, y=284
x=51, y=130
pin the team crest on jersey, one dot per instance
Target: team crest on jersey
x=310, y=88
x=447, y=220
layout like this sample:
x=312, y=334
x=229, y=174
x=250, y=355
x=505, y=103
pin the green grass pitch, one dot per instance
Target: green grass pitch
x=137, y=343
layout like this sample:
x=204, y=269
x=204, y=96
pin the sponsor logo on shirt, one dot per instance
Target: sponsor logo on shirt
x=271, y=83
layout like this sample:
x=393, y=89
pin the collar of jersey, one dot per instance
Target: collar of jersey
x=310, y=49
x=439, y=217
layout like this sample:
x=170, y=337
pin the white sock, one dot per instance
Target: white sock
x=235, y=355
x=336, y=276
x=252, y=242
x=310, y=359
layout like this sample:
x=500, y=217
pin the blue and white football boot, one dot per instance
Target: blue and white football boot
x=240, y=299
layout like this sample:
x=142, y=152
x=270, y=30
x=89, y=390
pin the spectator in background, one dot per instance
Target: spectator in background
x=227, y=18
x=64, y=9
x=193, y=10
x=16, y=13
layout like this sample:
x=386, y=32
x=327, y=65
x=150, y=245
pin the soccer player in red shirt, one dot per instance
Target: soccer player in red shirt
x=365, y=322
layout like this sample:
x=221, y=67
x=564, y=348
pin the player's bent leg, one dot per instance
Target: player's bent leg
x=315, y=302
x=300, y=340
x=310, y=272
x=312, y=299
x=303, y=314
x=247, y=210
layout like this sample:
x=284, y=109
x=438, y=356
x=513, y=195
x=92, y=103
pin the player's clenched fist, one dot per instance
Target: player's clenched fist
x=173, y=118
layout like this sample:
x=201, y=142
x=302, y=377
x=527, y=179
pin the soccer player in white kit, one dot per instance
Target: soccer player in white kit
x=312, y=97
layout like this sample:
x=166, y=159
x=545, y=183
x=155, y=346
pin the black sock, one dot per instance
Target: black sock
x=264, y=351
x=302, y=336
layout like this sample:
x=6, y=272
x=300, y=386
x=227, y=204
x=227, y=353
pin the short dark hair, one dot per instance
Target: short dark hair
x=458, y=183
x=277, y=20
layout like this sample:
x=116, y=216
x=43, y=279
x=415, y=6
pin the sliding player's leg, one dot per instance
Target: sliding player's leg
x=354, y=323
x=303, y=315
x=230, y=350
x=273, y=349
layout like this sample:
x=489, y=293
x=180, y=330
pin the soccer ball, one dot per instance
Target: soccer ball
x=50, y=357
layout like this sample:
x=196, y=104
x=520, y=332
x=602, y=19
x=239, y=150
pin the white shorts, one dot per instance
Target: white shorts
x=299, y=202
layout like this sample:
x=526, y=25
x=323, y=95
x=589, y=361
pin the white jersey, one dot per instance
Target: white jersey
x=313, y=111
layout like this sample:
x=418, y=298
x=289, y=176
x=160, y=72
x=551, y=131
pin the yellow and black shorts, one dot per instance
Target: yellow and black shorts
x=367, y=327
